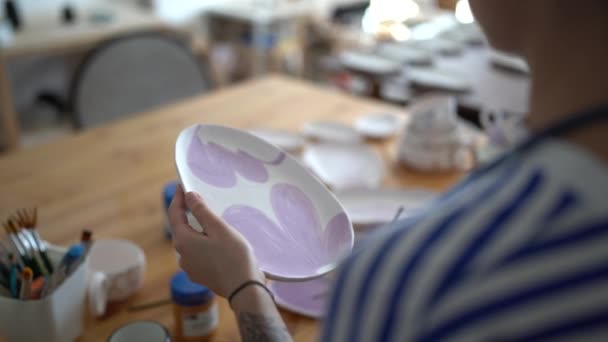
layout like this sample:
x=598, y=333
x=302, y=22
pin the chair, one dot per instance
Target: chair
x=133, y=74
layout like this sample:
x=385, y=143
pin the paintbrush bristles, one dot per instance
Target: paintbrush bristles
x=27, y=218
x=14, y=225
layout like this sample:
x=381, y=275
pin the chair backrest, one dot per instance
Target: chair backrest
x=133, y=74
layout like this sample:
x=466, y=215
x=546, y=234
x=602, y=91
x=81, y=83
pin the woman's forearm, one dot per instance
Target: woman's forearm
x=258, y=317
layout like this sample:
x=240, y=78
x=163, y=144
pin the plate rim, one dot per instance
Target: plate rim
x=289, y=307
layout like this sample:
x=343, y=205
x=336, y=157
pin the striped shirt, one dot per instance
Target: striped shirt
x=518, y=253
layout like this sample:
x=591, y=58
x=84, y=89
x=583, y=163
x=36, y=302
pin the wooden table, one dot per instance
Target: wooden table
x=109, y=180
x=43, y=35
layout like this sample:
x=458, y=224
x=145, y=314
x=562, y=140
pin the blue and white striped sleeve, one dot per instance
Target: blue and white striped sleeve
x=495, y=265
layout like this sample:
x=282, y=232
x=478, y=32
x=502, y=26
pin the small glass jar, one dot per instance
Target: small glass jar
x=194, y=309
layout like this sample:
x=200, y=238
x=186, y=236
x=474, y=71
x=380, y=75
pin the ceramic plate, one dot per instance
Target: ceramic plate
x=378, y=125
x=441, y=79
x=374, y=207
x=369, y=63
x=465, y=34
x=345, y=166
x=297, y=229
x=441, y=46
x=509, y=61
x=306, y=298
x=404, y=54
x=327, y=131
x=285, y=140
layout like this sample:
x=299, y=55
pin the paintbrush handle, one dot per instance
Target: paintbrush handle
x=36, y=236
x=14, y=282
x=40, y=263
x=42, y=250
x=35, y=262
x=17, y=245
x=18, y=252
x=47, y=262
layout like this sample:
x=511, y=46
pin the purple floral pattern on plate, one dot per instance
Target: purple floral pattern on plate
x=297, y=246
x=218, y=166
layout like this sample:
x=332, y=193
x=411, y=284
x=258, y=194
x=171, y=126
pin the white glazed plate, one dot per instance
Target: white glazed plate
x=296, y=227
x=379, y=206
x=441, y=46
x=509, y=61
x=441, y=79
x=285, y=140
x=327, y=131
x=404, y=54
x=345, y=166
x=369, y=63
x=378, y=125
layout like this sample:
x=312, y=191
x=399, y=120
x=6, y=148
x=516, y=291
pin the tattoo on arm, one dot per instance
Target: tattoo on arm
x=259, y=328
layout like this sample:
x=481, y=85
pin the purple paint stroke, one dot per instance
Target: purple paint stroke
x=218, y=166
x=297, y=245
x=296, y=214
x=268, y=241
x=211, y=163
x=250, y=167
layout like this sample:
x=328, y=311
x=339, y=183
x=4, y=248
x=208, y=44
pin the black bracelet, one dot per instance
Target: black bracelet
x=247, y=284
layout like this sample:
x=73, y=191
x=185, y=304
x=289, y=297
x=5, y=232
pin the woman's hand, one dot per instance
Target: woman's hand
x=220, y=258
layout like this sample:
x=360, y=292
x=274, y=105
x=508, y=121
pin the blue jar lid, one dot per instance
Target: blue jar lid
x=169, y=192
x=75, y=252
x=186, y=293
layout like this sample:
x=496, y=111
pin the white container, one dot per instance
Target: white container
x=56, y=318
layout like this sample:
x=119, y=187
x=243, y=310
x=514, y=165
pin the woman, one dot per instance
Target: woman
x=516, y=252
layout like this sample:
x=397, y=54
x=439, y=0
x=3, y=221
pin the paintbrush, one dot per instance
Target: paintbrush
x=398, y=214
x=14, y=277
x=16, y=245
x=29, y=222
x=29, y=256
x=151, y=305
x=29, y=244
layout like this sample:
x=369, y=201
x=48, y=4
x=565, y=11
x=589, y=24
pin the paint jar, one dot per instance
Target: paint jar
x=168, y=193
x=194, y=309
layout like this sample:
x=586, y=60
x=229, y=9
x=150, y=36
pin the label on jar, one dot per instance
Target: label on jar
x=200, y=324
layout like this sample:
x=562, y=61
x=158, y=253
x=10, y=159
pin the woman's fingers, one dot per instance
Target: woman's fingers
x=177, y=217
x=208, y=220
